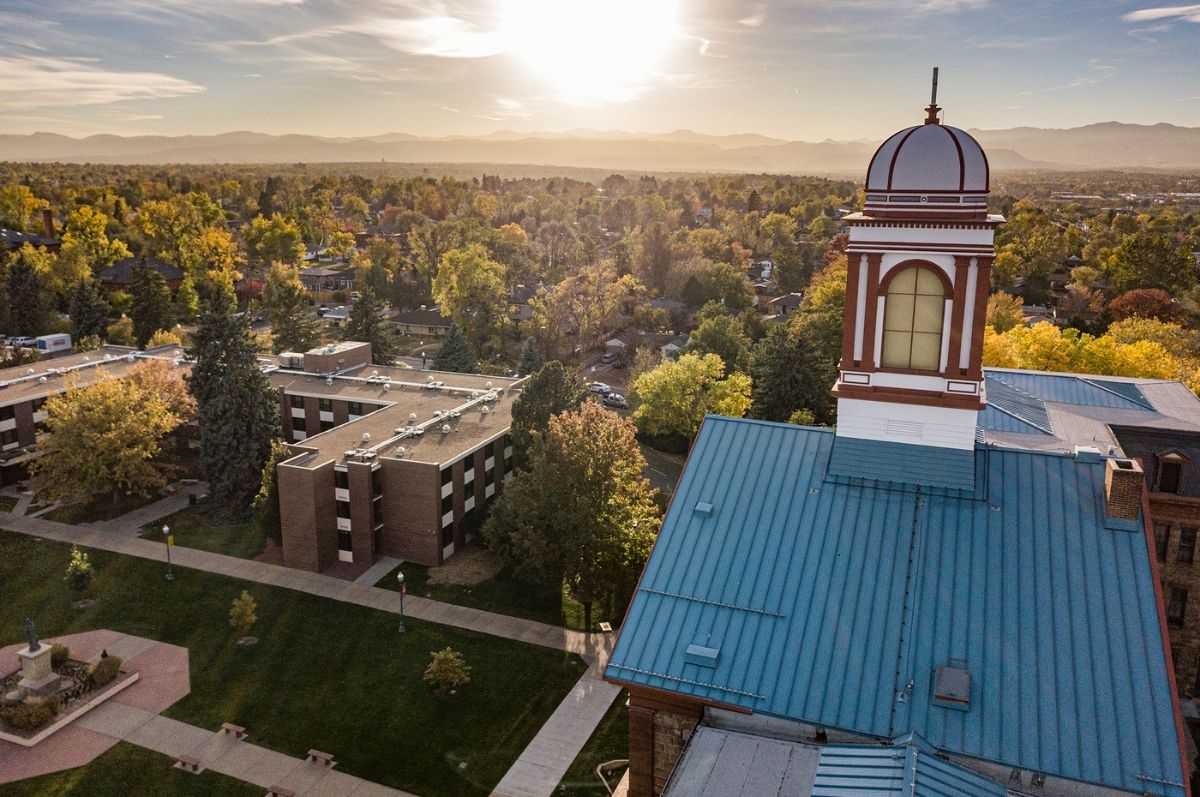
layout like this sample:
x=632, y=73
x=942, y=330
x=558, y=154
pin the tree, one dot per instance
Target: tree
x=581, y=307
x=152, y=309
x=164, y=337
x=447, y=671
x=790, y=375
x=210, y=249
x=238, y=408
x=276, y=239
x=79, y=570
x=243, y=612
x=455, y=352
x=86, y=248
x=364, y=324
x=17, y=206
x=105, y=436
x=1004, y=311
x=1151, y=260
x=341, y=245
x=266, y=502
x=187, y=301
x=469, y=286
x=89, y=311
x=652, y=259
x=582, y=514
x=25, y=297
x=552, y=390
x=1145, y=303
x=294, y=326
x=723, y=336
x=531, y=358
x=676, y=396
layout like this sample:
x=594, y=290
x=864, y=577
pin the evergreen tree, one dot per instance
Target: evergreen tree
x=151, y=310
x=89, y=311
x=531, y=358
x=294, y=326
x=187, y=301
x=238, y=408
x=27, y=300
x=364, y=324
x=790, y=374
x=455, y=353
x=552, y=390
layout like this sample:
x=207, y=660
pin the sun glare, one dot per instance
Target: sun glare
x=589, y=52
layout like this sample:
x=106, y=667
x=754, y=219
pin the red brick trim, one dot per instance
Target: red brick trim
x=925, y=398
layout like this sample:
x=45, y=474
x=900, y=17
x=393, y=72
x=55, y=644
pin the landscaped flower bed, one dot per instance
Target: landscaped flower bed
x=83, y=687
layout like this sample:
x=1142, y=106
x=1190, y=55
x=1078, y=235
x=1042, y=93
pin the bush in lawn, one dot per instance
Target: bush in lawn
x=30, y=716
x=447, y=670
x=79, y=570
x=242, y=612
x=106, y=670
x=59, y=655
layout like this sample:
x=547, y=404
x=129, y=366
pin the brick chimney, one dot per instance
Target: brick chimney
x=48, y=222
x=1123, y=483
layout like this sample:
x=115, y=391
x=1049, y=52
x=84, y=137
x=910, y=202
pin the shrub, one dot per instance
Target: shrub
x=447, y=670
x=59, y=655
x=242, y=612
x=106, y=670
x=79, y=570
x=30, y=716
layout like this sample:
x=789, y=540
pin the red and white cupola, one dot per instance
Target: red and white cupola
x=919, y=271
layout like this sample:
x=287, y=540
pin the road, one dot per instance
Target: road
x=662, y=470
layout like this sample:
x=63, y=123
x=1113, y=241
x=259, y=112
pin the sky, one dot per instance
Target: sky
x=804, y=70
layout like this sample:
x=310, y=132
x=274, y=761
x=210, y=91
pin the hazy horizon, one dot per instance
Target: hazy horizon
x=809, y=71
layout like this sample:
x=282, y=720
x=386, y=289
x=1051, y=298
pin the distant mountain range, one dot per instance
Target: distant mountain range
x=1110, y=145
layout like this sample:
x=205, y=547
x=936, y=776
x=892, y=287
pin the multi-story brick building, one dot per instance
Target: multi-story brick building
x=388, y=461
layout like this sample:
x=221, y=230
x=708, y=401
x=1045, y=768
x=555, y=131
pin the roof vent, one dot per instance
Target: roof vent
x=1123, y=488
x=704, y=655
x=412, y=417
x=446, y=429
x=484, y=410
x=399, y=451
x=366, y=438
x=704, y=508
x=952, y=686
x=329, y=380
x=42, y=379
x=1087, y=454
x=488, y=385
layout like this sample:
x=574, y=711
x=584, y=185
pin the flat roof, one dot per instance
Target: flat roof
x=24, y=382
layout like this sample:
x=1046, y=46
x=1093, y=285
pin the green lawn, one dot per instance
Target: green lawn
x=609, y=742
x=324, y=674
x=7, y=503
x=503, y=595
x=201, y=527
x=100, y=507
x=128, y=770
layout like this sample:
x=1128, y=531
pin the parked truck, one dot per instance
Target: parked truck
x=54, y=344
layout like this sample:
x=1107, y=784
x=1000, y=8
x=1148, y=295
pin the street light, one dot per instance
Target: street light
x=170, y=541
x=403, y=592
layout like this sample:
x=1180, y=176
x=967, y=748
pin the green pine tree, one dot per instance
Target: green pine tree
x=152, y=309
x=89, y=311
x=238, y=408
x=531, y=358
x=364, y=324
x=294, y=326
x=187, y=301
x=25, y=295
x=455, y=353
x=790, y=373
x=554, y=389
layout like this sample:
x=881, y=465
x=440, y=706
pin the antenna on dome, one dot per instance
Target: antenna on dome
x=931, y=117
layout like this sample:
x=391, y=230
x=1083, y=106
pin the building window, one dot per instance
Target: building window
x=912, y=320
x=1169, y=472
x=326, y=425
x=489, y=450
x=344, y=540
x=377, y=511
x=8, y=437
x=343, y=509
x=297, y=402
x=1176, y=607
x=1162, y=536
x=299, y=425
x=377, y=482
x=356, y=408
x=1187, y=546
x=7, y=413
x=325, y=405
x=447, y=475
x=448, y=504
x=447, y=535
x=38, y=403
x=341, y=479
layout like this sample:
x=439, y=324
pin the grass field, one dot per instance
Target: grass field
x=100, y=507
x=129, y=770
x=201, y=527
x=609, y=742
x=324, y=674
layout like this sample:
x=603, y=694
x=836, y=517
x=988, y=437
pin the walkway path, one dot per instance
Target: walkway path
x=132, y=522
x=383, y=565
x=540, y=766
x=224, y=753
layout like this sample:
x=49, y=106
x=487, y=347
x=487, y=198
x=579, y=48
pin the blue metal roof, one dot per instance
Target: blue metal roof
x=833, y=601
x=905, y=770
x=1010, y=409
x=1071, y=389
x=903, y=463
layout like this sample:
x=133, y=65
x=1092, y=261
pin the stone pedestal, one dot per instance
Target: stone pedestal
x=37, y=678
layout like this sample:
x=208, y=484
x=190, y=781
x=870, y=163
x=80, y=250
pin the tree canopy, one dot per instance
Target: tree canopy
x=455, y=353
x=552, y=390
x=676, y=396
x=294, y=325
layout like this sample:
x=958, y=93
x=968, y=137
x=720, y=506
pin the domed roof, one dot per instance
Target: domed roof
x=929, y=158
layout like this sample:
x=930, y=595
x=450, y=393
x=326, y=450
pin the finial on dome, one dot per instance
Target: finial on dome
x=931, y=112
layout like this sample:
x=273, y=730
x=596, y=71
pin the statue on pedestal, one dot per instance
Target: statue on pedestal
x=31, y=636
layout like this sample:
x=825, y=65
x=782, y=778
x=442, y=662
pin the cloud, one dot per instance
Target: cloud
x=1073, y=84
x=1186, y=13
x=441, y=36
x=40, y=82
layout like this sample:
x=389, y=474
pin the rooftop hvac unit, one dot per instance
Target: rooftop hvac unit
x=437, y=413
x=366, y=438
x=107, y=357
x=387, y=387
x=129, y=358
x=375, y=372
x=455, y=414
x=42, y=379
x=399, y=451
x=351, y=454
x=418, y=431
x=329, y=380
x=488, y=384
x=412, y=417
x=369, y=456
x=446, y=429
x=429, y=379
x=484, y=410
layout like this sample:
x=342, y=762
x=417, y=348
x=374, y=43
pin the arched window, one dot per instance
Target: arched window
x=912, y=320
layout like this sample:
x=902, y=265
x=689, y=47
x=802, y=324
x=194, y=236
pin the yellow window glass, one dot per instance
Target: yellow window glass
x=912, y=320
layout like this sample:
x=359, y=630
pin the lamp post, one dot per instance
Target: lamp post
x=403, y=592
x=170, y=542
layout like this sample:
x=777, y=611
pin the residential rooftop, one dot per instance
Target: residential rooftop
x=47, y=377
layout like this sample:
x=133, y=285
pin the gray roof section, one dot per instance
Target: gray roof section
x=720, y=763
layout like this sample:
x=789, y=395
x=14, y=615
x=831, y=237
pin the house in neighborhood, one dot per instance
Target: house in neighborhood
x=422, y=322
x=673, y=347
x=953, y=594
x=324, y=278
x=782, y=306
x=119, y=276
x=11, y=240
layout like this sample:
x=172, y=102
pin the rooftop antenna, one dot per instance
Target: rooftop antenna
x=931, y=117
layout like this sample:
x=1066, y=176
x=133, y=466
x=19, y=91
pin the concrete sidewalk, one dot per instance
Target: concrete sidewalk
x=132, y=522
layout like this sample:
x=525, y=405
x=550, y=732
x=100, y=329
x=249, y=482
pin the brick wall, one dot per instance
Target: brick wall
x=1178, y=513
x=308, y=516
x=1123, y=488
x=660, y=726
x=412, y=502
x=362, y=524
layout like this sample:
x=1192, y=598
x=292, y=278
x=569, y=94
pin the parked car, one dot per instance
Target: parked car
x=615, y=400
x=600, y=388
x=24, y=341
x=608, y=357
x=355, y=296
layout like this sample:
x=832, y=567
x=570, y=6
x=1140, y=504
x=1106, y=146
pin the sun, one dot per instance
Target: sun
x=591, y=52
